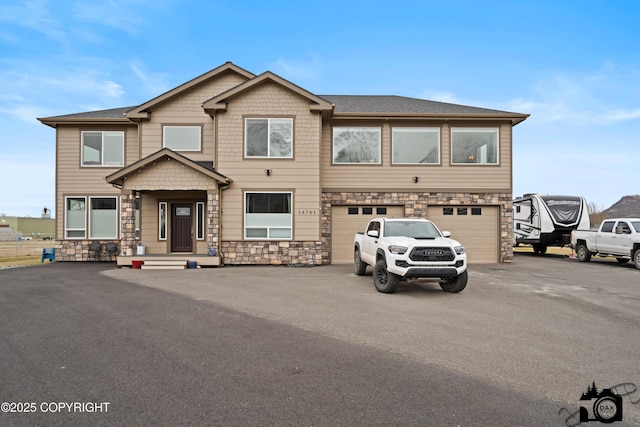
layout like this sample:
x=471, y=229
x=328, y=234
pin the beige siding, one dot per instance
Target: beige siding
x=74, y=180
x=186, y=109
x=299, y=175
x=443, y=177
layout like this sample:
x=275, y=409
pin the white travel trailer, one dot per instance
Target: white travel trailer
x=544, y=221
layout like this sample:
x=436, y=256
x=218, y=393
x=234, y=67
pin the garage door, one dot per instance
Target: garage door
x=346, y=221
x=476, y=227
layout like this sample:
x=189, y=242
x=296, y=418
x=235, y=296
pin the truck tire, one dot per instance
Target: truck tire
x=455, y=284
x=636, y=258
x=583, y=253
x=384, y=281
x=361, y=267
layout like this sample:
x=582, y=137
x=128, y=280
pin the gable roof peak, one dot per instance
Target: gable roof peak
x=141, y=110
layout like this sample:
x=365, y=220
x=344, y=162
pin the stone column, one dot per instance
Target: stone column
x=128, y=222
x=213, y=220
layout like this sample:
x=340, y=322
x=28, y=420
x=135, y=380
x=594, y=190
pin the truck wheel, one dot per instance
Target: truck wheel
x=636, y=259
x=455, y=284
x=384, y=281
x=583, y=253
x=361, y=267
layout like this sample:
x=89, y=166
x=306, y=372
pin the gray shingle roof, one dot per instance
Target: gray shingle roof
x=394, y=104
x=112, y=113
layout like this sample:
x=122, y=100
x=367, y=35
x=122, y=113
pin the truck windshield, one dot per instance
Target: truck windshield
x=415, y=229
x=636, y=226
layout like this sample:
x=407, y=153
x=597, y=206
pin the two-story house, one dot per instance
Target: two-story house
x=237, y=168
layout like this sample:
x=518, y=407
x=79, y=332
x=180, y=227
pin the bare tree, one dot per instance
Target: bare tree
x=596, y=213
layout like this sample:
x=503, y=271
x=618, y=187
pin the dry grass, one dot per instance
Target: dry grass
x=553, y=250
x=22, y=252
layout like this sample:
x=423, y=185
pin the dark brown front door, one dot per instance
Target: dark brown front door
x=182, y=229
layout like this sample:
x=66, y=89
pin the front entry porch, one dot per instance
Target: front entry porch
x=169, y=259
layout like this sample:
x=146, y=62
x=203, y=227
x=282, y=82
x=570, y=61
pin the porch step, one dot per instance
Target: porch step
x=164, y=265
x=165, y=262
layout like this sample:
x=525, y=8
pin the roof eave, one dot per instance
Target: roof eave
x=55, y=121
x=513, y=118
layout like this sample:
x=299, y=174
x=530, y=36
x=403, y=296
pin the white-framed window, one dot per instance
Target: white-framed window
x=102, y=149
x=162, y=221
x=103, y=217
x=200, y=219
x=182, y=138
x=75, y=221
x=474, y=146
x=415, y=145
x=266, y=137
x=356, y=145
x=136, y=208
x=268, y=215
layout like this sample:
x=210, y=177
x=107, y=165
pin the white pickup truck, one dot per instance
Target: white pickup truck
x=619, y=238
x=405, y=248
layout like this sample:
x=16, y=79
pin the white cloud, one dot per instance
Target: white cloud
x=441, y=96
x=298, y=69
x=152, y=83
x=599, y=97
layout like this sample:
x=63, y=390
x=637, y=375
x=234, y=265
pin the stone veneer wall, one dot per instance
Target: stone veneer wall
x=273, y=252
x=78, y=250
x=416, y=205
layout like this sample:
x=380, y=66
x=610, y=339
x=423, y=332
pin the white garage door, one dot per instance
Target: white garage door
x=476, y=227
x=346, y=221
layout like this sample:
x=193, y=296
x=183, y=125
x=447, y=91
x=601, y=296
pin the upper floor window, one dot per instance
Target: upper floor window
x=413, y=145
x=103, y=148
x=474, y=146
x=356, y=145
x=269, y=138
x=182, y=138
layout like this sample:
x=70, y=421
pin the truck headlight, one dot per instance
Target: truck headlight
x=459, y=250
x=397, y=250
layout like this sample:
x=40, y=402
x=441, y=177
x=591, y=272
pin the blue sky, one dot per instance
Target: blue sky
x=573, y=65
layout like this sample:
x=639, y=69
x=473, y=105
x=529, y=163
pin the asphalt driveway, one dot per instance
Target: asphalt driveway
x=317, y=346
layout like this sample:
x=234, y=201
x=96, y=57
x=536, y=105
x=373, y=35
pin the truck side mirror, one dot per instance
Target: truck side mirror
x=372, y=233
x=446, y=234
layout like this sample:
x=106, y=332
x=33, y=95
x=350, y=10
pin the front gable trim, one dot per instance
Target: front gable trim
x=219, y=102
x=141, y=111
x=117, y=178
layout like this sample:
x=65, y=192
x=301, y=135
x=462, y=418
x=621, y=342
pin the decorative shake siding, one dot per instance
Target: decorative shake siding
x=186, y=109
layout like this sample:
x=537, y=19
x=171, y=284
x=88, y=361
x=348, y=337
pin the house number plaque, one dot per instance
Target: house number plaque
x=307, y=212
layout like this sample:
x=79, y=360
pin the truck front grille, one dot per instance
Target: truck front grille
x=432, y=254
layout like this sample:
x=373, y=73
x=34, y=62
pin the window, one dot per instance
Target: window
x=477, y=211
x=367, y=211
x=182, y=138
x=356, y=145
x=162, y=221
x=75, y=218
x=103, y=218
x=381, y=211
x=415, y=145
x=268, y=216
x=474, y=146
x=200, y=221
x=447, y=211
x=137, y=216
x=353, y=211
x=462, y=211
x=102, y=148
x=269, y=138
x=607, y=227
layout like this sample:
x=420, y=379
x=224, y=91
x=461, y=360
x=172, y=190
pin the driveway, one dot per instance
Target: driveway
x=521, y=342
